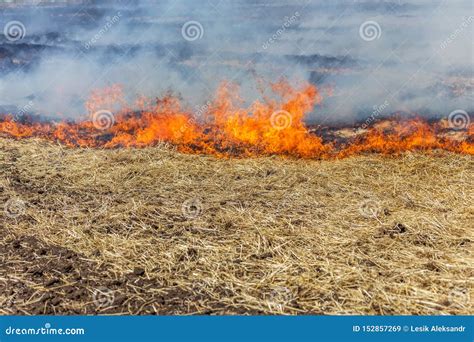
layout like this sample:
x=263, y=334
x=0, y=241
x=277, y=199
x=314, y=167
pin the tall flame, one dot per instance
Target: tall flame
x=226, y=128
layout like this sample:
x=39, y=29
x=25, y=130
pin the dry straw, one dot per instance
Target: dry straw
x=155, y=231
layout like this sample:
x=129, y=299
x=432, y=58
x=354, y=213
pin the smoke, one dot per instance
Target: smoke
x=367, y=56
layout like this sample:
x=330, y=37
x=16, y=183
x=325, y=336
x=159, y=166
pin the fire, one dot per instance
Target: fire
x=408, y=135
x=274, y=126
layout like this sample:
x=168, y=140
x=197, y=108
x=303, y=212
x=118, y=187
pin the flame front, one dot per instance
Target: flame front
x=274, y=126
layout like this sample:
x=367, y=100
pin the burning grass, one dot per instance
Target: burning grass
x=274, y=126
x=145, y=231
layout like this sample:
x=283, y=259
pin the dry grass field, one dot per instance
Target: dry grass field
x=153, y=231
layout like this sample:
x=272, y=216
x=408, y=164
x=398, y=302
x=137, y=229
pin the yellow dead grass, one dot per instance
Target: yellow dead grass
x=363, y=235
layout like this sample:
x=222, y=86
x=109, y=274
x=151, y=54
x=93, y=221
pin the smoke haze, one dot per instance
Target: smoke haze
x=410, y=56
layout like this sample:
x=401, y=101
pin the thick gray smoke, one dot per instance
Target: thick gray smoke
x=368, y=57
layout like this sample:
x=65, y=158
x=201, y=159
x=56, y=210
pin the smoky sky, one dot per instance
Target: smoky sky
x=398, y=56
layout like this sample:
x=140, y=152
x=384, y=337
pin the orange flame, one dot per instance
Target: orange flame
x=272, y=127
